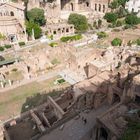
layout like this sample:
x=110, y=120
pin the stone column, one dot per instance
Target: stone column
x=76, y=6
x=2, y=84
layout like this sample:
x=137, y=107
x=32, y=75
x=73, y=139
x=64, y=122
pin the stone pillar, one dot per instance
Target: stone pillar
x=2, y=84
x=10, y=83
x=76, y=6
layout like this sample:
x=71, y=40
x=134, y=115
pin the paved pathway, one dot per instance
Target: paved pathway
x=76, y=129
x=71, y=77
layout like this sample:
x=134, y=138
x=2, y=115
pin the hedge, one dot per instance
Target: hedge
x=71, y=38
x=21, y=43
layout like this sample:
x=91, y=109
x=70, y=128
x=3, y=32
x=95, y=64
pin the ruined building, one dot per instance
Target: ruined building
x=116, y=88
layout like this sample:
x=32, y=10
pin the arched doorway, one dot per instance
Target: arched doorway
x=103, y=8
x=103, y=134
x=71, y=7
x=12, y=13
x=95, y=7
x=99, y=7
x=87, y=4
x=115, y=99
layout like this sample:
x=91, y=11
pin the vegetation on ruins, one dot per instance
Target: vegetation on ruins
x=79, y=21
x=2, y=37
x=132, y=19
x=137, y=42
x=36, y=15
x=71, y=38
x=55, y=61
x=21, y=43
x=6, y=46
x=119, y=16
x=132, y=132
x=30, y=27
x=101, y=35
x=111, y=17
x=116, y=42
x=1, y=49
x=117, y=3
x=53, y=44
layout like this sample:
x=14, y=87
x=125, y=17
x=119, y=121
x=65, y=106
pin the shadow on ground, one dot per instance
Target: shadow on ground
x=40, y=98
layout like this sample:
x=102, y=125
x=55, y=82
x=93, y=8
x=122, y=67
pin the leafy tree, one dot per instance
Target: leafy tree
x=114, y=4
x=132, y=19
x=79, y=21
x=122, y=2
x=122, y=12
x=32, y=26
x=36, y=15
x=111, y=17
x=116, y=42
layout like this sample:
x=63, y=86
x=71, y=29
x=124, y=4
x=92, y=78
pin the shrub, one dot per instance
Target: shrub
x=127, y=26
x=60, y=81
x=53, y=44
x=132, y=20
x=138, y=41
x=119, y=23
x=116, y=42
x=55, y=61
x=7, y=46
x=71, y=38
x=111, y=17
x=1, y=49
x=101, y=35
x=21, y=43
x=14, y=69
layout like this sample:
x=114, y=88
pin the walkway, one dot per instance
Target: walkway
x=71, y=77
x=75, y=129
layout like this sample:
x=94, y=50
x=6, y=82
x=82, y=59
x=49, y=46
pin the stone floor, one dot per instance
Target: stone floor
x=75, y=129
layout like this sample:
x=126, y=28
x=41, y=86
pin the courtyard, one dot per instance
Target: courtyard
x=12, y=101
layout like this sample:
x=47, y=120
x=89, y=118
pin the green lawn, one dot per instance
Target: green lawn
x=14, y=101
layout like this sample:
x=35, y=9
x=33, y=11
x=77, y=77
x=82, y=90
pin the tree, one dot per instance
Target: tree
x=114, y=4
x=33, y=26
x=111, y=17
x=116, y=42
x=36, y=15
x=132, y=19
x=122, y=2
x=79, y=21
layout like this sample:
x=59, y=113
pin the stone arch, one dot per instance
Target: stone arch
x=12, y=13
x=116, y=98
x=99, y=8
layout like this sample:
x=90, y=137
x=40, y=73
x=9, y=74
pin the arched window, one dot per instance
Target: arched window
x=99, y=7
x=95, y=7
x=71, y=7
x=12, y=13
x=103, y=8
x=87, y=4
